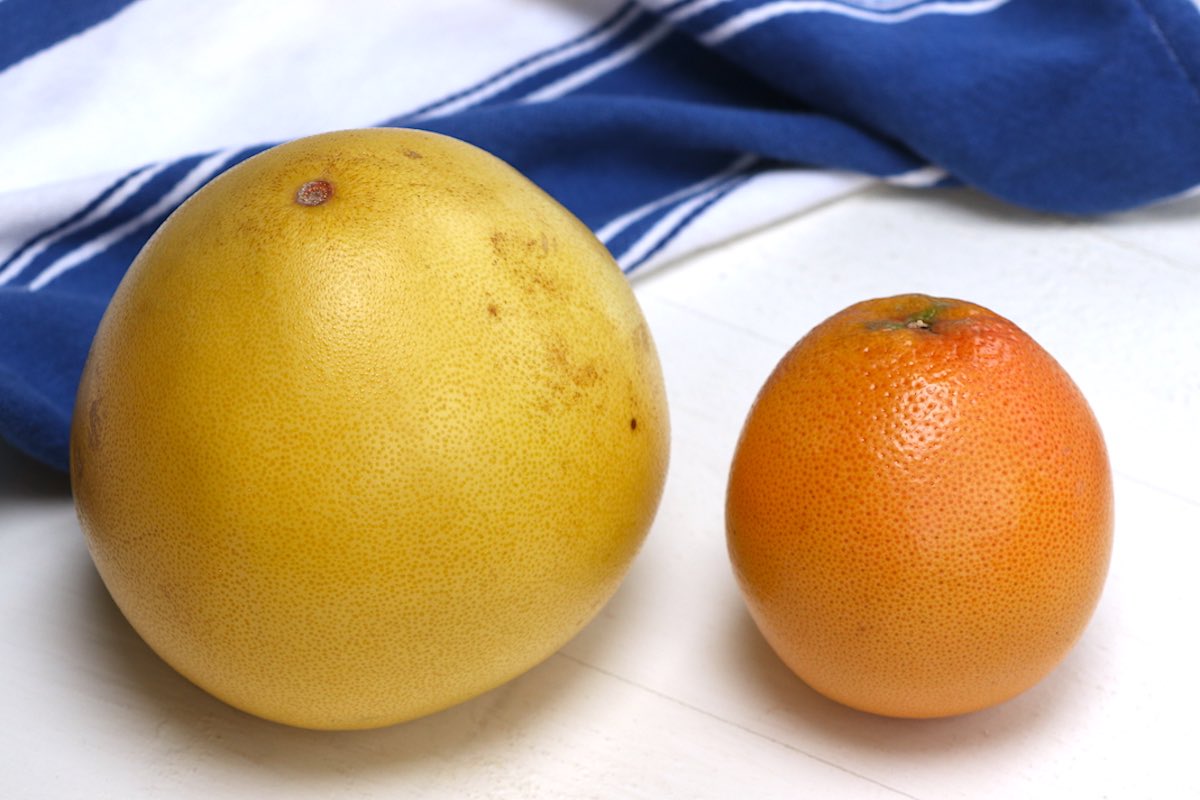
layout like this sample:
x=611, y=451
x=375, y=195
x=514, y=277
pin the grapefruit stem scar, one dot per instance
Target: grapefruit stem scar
x=314, y=193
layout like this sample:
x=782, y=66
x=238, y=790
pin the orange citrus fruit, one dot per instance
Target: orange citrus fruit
x=371, y=426
x=919, y=510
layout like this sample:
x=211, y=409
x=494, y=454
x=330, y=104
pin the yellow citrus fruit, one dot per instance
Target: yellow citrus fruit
x=371, y=426
x=919, y=511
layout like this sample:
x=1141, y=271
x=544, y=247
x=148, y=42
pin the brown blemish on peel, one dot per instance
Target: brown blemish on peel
x=633, y=423
x=314, y=193
x=568, y=378
x=558, y=356
x=412, y=154
x=493, y=310
x=585, y=376
x=521, y=258
x=542, y=282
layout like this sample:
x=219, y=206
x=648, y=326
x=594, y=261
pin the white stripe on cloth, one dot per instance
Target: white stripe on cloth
x=671, y=223
x=677, y=11
x=607, y=64
x=669, y=9
x=547, y=61
x=614, y=227
x=756, y=16
x=762, y=198
x=127, y=190
x=196, y=178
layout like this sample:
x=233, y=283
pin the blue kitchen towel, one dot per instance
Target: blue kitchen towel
x=663, y=125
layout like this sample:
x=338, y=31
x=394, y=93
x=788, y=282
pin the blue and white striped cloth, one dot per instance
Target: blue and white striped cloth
x=665, y=125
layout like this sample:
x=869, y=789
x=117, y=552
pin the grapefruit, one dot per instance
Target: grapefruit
x=919, y=509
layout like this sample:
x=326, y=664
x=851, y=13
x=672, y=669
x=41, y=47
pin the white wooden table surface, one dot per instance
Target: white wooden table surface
x=670, y=692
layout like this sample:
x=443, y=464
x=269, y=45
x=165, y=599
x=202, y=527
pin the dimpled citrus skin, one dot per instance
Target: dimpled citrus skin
x=371, y=426
x=919, y=510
